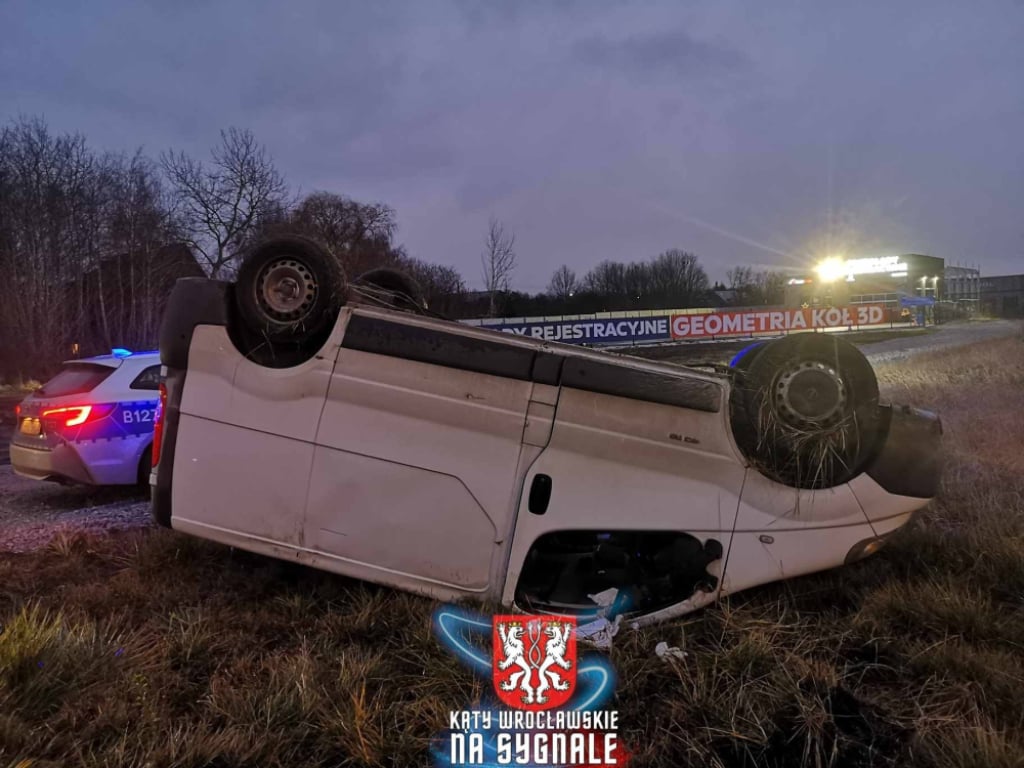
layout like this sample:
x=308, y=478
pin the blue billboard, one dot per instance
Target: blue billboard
x=612, y=330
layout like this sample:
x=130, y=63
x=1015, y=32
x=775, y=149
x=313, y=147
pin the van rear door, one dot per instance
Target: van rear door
x=243, y=448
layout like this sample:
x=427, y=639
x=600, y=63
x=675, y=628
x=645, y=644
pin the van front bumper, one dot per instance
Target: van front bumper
x=910, y=461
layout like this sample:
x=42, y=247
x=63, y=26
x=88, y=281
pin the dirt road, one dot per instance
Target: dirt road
x=951, y=335
x=879, y=346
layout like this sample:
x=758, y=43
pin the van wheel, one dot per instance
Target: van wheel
x=743, y=359
x=288, y=289
x=390, y=288
x=805, y=410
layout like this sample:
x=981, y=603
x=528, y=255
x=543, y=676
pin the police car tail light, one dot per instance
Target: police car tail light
x=76, y=415
x=158, y=427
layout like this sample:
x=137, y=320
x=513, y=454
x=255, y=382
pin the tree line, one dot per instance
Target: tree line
x=674, y=279
x=92, y=242
x=65, y=212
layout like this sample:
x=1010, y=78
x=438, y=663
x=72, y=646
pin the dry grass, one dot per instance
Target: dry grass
x=160, y=650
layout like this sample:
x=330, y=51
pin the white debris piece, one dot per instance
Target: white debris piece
x=599, y=632
x=605, y=599
x=663, y=651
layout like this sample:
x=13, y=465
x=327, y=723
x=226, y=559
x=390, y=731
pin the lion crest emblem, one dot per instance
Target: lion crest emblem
x=534, y=660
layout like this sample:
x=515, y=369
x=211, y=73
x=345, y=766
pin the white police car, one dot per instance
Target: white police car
x=92, y=422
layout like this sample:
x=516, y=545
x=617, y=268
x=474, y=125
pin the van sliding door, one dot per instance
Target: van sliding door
x=637, y=489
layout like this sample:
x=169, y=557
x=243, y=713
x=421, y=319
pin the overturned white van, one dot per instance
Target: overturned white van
x=302, y=422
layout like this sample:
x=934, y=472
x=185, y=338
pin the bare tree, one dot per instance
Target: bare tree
x=764, y=287
x=740, y=279
x=677, y=277
x=443, y=287
x=86, y=255
x=359, y=234
x=771, y=287
x=221, y=202
x=563, y=283
x=637, y=281
x=48, y=233
x=617, y=285
x=607, y=279
x=139, y=229
x=498, y=260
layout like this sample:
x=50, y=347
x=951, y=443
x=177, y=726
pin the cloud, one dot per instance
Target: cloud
x=579, y=122
x=671, y=53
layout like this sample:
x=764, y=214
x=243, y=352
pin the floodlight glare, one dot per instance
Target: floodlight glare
x=831, y=269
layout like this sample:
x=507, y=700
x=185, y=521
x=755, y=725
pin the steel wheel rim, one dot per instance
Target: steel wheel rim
x=810, y=393
x=286, y=289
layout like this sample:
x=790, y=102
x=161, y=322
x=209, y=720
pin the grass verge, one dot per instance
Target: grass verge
x=156, y=649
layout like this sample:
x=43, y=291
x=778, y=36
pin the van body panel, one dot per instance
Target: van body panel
x=399, y=521
x=431, y=451
x=618, y=464
x=223, y=386
x=767, y=505
x=240, y=479
x=759, y=558
x=435, y=457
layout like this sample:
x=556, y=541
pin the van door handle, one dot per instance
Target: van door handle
x=540, y=494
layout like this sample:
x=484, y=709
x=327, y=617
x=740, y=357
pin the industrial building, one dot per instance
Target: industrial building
x=961, y=294
x=1002, y=296
x=899, y=282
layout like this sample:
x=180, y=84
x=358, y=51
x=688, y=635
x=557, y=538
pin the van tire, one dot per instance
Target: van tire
x=805, y=410
x=392, y=288
x=288, y=289
x=743, y=359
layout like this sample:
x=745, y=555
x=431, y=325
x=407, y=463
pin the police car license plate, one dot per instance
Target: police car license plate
x=30, y=426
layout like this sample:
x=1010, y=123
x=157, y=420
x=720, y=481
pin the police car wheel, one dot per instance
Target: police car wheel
x=389, y=287
x=288, y=289
x=805, y=410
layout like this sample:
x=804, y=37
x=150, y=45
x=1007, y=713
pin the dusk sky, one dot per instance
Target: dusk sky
x=593, y=130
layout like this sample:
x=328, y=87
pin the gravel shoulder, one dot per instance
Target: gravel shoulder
x=33, y=513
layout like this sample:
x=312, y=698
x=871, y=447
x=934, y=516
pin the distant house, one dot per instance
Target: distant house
x=723, y=297
x=120, y=301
